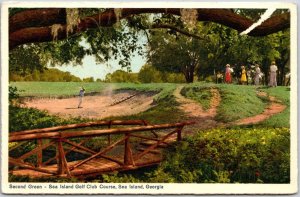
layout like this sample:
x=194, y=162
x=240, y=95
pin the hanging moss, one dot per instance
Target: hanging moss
x=72, y=19
x=189, y=17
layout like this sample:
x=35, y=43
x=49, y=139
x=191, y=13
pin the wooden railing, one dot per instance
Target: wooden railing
x=66, y=137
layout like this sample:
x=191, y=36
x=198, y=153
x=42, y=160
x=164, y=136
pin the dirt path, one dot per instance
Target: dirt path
x=273, y=108
x=97, y=106
x=203, y=119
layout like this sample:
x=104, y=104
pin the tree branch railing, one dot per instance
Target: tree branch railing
x=66, y=140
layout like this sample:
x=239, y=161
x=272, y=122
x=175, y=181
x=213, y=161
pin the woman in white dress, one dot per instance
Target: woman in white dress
x=257, y=75
x=273, y=75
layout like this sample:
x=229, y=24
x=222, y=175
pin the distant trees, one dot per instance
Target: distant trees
x=88, y=79
x=121, y=76
x=147, y=74
x=51, y=74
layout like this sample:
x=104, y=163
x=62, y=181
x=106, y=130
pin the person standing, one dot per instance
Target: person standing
x=243, y=75
x=219, y=77
x=81, y=95
x=227, y=74
x=273, y=74
x=257, y=75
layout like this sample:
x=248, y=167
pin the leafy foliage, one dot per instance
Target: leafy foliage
x=121, y=76
x=30, y=118
x=51, y=74
x=25, y=59
x=223, y=156
x=240, y=155
x=177, y=54
x=227, y=46
x=149, y=74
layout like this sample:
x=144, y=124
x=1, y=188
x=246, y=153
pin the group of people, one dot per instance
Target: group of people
x=253, y=75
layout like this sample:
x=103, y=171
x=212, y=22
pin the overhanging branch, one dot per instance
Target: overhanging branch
x=35, y=24
x=167, y=26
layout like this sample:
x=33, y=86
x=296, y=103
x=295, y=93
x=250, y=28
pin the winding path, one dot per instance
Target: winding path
x=206, y=119
x=203, y=119
x=273, y=108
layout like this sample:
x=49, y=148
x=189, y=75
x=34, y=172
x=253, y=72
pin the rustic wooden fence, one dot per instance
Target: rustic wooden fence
x=68, y=139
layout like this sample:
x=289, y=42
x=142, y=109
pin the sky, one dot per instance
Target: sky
x=89, y=68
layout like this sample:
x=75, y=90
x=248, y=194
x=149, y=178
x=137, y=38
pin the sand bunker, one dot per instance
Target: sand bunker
x=98, y=106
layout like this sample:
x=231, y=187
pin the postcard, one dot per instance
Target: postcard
x=148, y=98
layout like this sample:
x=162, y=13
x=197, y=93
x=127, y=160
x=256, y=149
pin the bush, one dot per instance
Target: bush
x=233, y=155
x=221, y=156
x=14, y=96
x=30, y=118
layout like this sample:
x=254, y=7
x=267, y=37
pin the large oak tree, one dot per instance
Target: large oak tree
x=34, y=25
x=114, y=32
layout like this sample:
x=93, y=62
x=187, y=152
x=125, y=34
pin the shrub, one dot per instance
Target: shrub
x=232, y=155
x=256, y=155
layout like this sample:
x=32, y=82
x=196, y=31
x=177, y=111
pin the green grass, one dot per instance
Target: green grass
x=200, y=94
x=66, y=89
x=164, y=111
x=238, y=102
x=282, y=119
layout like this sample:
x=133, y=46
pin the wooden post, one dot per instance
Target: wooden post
x=63, y=164
x=63, y=158
x=128, y=160
x=179, y=137
x=59, y=158
x=40, y=153
x=109, y=137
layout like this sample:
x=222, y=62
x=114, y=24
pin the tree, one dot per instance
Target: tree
x=25, y=59
x=51, y=74
x=34, y=25
x=177, y=54
x=113, y=32
x=88, y=79
x=120, y=76
x=225, y=45
x=149, y=74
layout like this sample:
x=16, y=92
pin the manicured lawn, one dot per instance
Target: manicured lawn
x=282, y=119
x=238, y=101
x=61, y=89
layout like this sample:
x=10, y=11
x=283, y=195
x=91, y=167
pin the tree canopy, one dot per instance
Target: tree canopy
x=35, y=25
x=59, y=36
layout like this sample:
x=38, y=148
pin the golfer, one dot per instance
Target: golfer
x=81, y=94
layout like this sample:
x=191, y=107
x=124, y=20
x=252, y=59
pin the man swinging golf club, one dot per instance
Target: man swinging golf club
x=81, y=94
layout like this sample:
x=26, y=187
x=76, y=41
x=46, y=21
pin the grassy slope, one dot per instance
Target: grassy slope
x=237, y=101
x=282, y=119
x=200, y=93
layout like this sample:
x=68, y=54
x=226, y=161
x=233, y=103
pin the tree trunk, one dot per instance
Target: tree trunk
x=281, y=69
x=189, y=73
x=35, y=25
